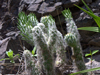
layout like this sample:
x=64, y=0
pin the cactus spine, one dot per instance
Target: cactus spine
x=72, y=39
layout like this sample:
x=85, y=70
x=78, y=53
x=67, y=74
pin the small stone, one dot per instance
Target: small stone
x=69, y=3
x=38, y=1
x=88, y=1
x=33, y=7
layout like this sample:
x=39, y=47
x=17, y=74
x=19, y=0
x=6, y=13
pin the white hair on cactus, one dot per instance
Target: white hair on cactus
x=72, y=28
x=38, y=33
x=30, y=63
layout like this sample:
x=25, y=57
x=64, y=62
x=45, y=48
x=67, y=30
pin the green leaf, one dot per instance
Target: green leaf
x=10, y=54
x=96, y=18
x=89, y=59
x=33, y=51
x=87, y=55
x=87, y=6
x=94, y=29
x=93, y=69
x=94, y=52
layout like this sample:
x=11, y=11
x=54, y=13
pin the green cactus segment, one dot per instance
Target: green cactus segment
x=79, y=59
x=52, y=40
x=48, y=21
x=42, y=46
x=71, y=39
x=67, y=14
x=55, y=40
x=32, y=19
x=25, y=25
x=30, y=65
x=77, y=51
x=60, y=51
x=71, y=26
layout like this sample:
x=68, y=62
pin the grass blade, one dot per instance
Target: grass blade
x=93, y=69
x=96, y=18
x=87, y=6
x=94, y=29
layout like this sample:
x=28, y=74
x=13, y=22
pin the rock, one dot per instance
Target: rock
x=87, y=50
x=38, y=1
x=1, y=1
x=88, y=1
x=95, y=42
x=33, y=7
x=29, y=1
x=13, y=6
x=69, y=3
x=95, y=64
x=46, y=7
x=3, y=46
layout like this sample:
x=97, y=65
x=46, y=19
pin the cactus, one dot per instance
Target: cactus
x=55, y=41
x=47, y=40
x=73, y=40
x=25, y=25
x=40, y=43
x=30, y=63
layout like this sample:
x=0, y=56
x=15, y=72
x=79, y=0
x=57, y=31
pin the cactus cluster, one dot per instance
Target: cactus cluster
x=49, y=42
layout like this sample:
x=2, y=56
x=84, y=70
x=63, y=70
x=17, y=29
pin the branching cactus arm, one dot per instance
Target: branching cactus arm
x=77, y=52
x=55, y=40
x=73, y=40
x=51, y=31
x=70, y=24
x=41, y=44
x=50, y=27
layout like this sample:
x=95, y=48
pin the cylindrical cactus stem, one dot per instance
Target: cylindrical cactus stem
x=70, y=24
x=50, y=27
x=41, y=45
x=30, y=63
x=55, y=40
x=77, y=51
x=60, y=51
